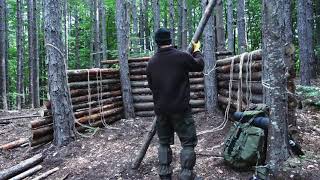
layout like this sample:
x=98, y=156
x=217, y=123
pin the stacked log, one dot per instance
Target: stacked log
x=142, y=96
x=96, y=100
x=251, y=87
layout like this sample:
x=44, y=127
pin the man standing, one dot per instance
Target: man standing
x=168, y=78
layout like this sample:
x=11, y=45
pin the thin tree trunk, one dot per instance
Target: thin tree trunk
x=230, y=25
x=66, y=28
x=190, y=21
x=304, y=46
x=97, y=49
x=146, y=23
x=141, y=24
x=171, y=17
x=20, y=53
x=3, y=57
x=36, y=58
x=123, y=29
x=77, y=45
x=156, y=18
x=179, y=33
x=317, y=32
x=274, y=42
x=103, y=31
x=184, y=40
x=310, y=29
x=221, y=40
x=59, y=95
x=210, y=60
x=242, y=42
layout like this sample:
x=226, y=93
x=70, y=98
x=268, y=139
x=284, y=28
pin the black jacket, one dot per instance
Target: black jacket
x=168, y=78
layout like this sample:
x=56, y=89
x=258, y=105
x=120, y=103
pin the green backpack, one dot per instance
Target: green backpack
x=244, y=146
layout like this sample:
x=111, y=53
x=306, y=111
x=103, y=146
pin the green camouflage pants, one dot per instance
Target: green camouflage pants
x=183, y=125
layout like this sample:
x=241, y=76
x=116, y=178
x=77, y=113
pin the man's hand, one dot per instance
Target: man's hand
x=196, y=46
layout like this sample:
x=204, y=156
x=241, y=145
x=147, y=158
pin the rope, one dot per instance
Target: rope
x=239, y=94
x=68, y=87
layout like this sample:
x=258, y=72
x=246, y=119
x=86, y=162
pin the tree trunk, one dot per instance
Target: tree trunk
x=77, y=44
x=171, y=17
x=180, y=25
x=276, y=97
x=304, y=46
x=221, y=40
x=3, y=58
x=146, y=23
x=123, y=29
x=141, y=24
x=33, y=54
x=317, y=32
x=103, y=31
x=58, y=90
x=97, y=49
x=230, y=25
x=156, y=18
x=210, y=89
x=242, y=42
x=66, y=40
x=20, y=53
x=310, y=29
x=184, y=40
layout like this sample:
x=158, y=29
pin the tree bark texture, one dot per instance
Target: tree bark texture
x=242, y=42
x=20, y=53
x=172, y=21
x=59, y=95
x=33, y=54
x=77, y=44
x=317, y=32
x=123, y=28
x=3, y=58
x=146, y=24
x=184, y=35
x=276, y=97
x=156, y=18
x=221, y=40
x=97, y=46
x=141, y=24
x=210, y=89
x=103, y=31
x=304, y=43
x=180, y=25
x=230, y=25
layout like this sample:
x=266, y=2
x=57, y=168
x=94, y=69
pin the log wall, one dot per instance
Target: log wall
x=96, y=100
x=142, y=96
x=248, y=81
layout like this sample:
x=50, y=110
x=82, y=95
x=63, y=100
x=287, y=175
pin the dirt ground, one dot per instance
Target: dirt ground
x=108, y=154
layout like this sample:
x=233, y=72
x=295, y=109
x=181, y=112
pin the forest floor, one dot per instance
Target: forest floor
x=108, y=154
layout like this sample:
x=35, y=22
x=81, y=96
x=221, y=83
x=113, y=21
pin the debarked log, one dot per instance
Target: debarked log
x=99, y=123
x=86, y=78
x=196, y=80
x=91, y=72
x=21, y=167
x=99, y=116
x=255, y=98
x=93, y=104
x=140, y=71
x=255, y=76
x=256, y=87
x=139, y=84
x=134, y=65
x=195, y=74
x=14, y=144
x=255, y=66
x=255, y=55
x=144, y=98
x=91, y=84
x=98, y=109
x=41, y=122
x=27, y=173
x=138, y=77
x=94, y=90
x=88, y=98
x=141, y=91
x=46, y=174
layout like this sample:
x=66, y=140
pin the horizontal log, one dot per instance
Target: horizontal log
x=140, y=71
x=21, y=167
x=37, y=133
x=197, y=103
x=14, y=144
x=91, y=72
x=256, y=87
x=98, y=109
x=255, y=98
x=198, y=87
x=85, y=78
x=99, y=123
x=138, y=77
x=255, y=67
x=93, y=104
x=41, y=122
x=46, y=174
x=93, y=97
x=138, y=65
x=94, y=90
x=141, y=91
x=98, y=116
x=197, y=95
x=196, y=80
x=233, y=103
x=256, y=56
x=91, y=84
x=195, y=74
x=223, y=53
x=197, y=110
x=145, y=98
x=143, y=84
x=130, y=60
x=255, y=76
x=27, y=173
x=42, y=140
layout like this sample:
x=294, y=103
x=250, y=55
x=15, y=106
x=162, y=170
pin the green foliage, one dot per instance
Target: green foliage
x=310, y=95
